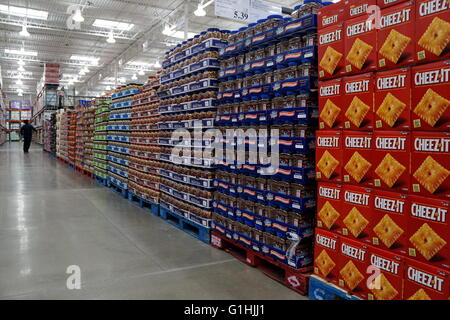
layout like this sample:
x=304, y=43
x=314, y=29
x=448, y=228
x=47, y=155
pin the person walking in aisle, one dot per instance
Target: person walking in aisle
x=27, y=133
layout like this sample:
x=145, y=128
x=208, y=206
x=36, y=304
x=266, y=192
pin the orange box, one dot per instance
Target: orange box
x=329, y=206
x=388, y=3
x=329, y=156
x=331, y=14
x=357, y=157
x=330, y=104
x=331, y=52
x=326, y=255
x=357, y=8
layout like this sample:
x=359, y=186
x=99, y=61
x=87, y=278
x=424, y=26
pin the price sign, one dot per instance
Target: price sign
x=246, y=11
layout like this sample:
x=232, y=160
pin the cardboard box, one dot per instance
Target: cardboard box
x=353, y=263
x=431, y=97
x=326, y=255
x=329, y=156
x=360, y=46
x=429, y=231
x=330, y=104
x=357, y=158
x=358, y=100
x=391, y=158
x=432, y=29
x=357, y=8
x=389, y=222
x=331, y=51
x=393, y=100
x=388, y=3
x=395, y=38
x=386, y=282
x=425, y=282
x=430, y=164
x=356, y=213
x=331, y=14
x=329, y=206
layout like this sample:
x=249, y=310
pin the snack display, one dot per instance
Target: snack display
x=100, y=143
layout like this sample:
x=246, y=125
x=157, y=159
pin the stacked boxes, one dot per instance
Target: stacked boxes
x=100, y=143
x=269, y=87
x=88, y=136
x=81, y=107
x=382, y=151
x=63, y=134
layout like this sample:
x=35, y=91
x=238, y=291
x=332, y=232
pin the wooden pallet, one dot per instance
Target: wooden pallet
x=290, y=277
x=144, y=204
x=319, y=289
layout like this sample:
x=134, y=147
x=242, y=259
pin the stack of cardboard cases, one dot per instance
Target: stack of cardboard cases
x=382, y=154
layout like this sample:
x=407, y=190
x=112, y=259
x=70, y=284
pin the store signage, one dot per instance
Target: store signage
x=247, y=11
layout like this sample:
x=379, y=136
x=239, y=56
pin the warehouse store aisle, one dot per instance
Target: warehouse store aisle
x=51, y=218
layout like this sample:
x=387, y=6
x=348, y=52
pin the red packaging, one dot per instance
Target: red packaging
x=358, y=99
x=431, y=97
x=330, y=104
x=356, y=213
x=425, y=282
x=395, y=38
x=432, y=29
x=388, y=3
x=389, y=222
x=329, y=156
x=331, y=51
x=393, y=99
x=331, y=14
x=360, y=45
x=387, y=277
x=353, y=263
x=430, y=164
x=326, y=253
x=329, y=206
x=357, y=8
x=429, y=231
x=391, y=158
x=357, y=158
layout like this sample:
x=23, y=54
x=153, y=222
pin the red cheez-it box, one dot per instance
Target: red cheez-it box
x=329, y=205
x=393, y=99
x=326, y=253
x=353, y=264
x=331, y=51
x=360, y=45
x=432, y=29
x=356, y=212
x=357, y=158
x=389, y=223
x=430, y=164
x=330, y=15
x=431, y=97
x=425, y=282
x=429, y=231
x=357, y=8
x=330, y=104
x=388, y=3
x=395, y=39
x=358, y=102
x=386, y=283
x=329, y=156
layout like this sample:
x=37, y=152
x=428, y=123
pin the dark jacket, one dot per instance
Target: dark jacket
x=27, y=131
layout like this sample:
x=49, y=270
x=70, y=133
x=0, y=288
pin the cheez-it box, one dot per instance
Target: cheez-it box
x=353, y=263
x=326, y=253
x=331, y=51
x=357, y=8
x=393, y=100
x=395, y=39
x=387, y=279
x=329, y=205
x=431, y=97
x=425, y=282
x=388, y=3
x=391, y=158
x=432, y=29
x=358, y=100
x=331, y=14
x=330, y=104
x=389, y=222
x=357, y=157
x=329, y=156
x=430, y=164
x=429, y=231
x=360, y=45
x=356, y=212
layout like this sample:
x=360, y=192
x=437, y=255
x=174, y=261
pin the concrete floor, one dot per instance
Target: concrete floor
x=51, y=218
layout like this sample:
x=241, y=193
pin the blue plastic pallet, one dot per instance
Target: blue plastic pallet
x=144, y=204
x=322, y=290
x=71, y=166
x=100, y=180
x=119, y=190
x=192, y=228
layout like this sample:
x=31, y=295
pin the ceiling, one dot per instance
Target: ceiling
x=54, y=41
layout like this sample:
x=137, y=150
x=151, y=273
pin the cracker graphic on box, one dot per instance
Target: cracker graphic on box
x=355, y=222
x=390, y=109
x=436, y=37
x=431, y=174
x=329, y=113
x=420, y=295
x=359, y=53
x=357, y=166
x=390, y=170
x=388, y=231
x=394, y=46
x=427, y=241
x=385, y=291
x=330, y=60
x=328, y=214
x=357, y=111
x=327, y=164
x=431, y=107
x=351, y=275
x=325, y=263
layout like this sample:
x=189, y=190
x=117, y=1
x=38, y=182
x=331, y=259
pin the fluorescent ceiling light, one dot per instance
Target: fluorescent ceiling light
x=139, y=64
x=78, y=17
x=21, y=69
x=21, y=52
x=112, y=25
x=200, y=12
x=141, y=72
x=86, y=69
x=19, y=82
x=20, y=94
x=85, y=58
x=111, y=38
x=168, y=29
x=21, y=63
x=24, y=32
x=23, y=12
x=180, y=34
x=82, y=73
x=157, y=65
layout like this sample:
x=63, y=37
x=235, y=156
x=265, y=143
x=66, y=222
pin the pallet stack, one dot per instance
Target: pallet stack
x=79, y=135
x=100, y=142
x=63, y=134
x=88, y=138
x=72, y=138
